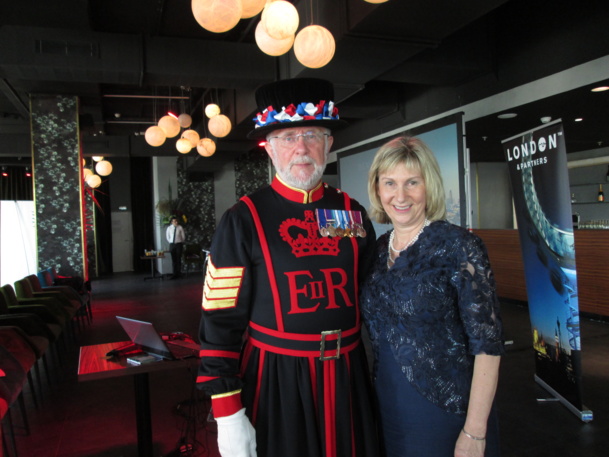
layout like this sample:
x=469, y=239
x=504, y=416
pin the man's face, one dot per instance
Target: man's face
x=174, y=222
x=299, y=154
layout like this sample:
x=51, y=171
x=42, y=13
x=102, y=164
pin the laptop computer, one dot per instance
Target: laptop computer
x=150, y=341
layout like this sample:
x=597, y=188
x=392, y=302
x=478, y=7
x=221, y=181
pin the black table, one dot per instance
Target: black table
x=152, y=258
x=93, y=364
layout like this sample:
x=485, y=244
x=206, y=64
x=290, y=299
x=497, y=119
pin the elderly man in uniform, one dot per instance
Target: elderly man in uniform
x=281, y=354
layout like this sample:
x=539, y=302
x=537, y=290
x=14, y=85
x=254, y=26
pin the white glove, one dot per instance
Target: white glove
x=236, y=436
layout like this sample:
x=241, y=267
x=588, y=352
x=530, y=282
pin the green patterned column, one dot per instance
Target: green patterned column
x=58, y=184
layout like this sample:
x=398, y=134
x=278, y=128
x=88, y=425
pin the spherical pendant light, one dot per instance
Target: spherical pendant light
x=192, y=136
x=103, y=168
x=97, y=158
x=206, y=147
x=280, y=19
x=376, y=1
x=219, y=126
x=183, y=145
x=212, y=110
x=251, y=8
x=155, y=136
x=86, y=172
x=217, y=16
x=269, y=45
x=93, y=181
x=314, y=46
x=185, y=120
x=170, y=126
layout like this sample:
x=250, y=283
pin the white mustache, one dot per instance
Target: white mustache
x=302, y=161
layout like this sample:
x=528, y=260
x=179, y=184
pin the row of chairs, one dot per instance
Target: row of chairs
x=39, y=319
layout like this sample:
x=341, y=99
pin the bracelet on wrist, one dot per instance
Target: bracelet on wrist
x=475, y=438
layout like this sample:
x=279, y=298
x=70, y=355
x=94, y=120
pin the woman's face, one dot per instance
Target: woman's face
x=402, y=194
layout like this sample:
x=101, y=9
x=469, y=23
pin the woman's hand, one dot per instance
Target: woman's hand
x=468, y=447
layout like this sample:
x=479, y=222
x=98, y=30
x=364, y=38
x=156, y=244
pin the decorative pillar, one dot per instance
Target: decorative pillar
x=58, y=184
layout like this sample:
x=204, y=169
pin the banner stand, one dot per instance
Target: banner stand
x=585, y=414
x=537, y=163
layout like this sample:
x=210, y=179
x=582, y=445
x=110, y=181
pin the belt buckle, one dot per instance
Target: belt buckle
x=322, y=348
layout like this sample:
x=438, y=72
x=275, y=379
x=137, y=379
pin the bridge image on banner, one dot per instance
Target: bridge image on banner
x=537, y=163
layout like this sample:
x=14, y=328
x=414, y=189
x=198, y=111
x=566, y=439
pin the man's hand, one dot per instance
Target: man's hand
x=236, y=436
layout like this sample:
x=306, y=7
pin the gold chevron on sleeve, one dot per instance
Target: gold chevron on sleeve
x=222, y=286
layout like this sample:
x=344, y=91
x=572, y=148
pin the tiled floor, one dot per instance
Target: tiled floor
x=97, y=418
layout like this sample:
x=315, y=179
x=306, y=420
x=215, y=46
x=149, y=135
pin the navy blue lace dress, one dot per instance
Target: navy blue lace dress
x=428, y=316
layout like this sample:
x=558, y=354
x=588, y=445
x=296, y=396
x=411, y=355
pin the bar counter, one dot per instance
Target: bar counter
x=591, y=257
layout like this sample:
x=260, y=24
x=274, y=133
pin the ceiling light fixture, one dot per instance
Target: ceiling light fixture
x=103, y=168
x=206, y=147
x=183, y=145
x=280, y=19
x=579, y=119
x=217, y=16
x=212, y=110
x=170, y=125
x=507, y=115
x=314, y=46
x=219, y=126
x=251, y=8
x=600, y=89
x=155, y=136
x=270, y=45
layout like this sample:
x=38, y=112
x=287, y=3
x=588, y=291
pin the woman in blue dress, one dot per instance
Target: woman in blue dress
x=432, y=313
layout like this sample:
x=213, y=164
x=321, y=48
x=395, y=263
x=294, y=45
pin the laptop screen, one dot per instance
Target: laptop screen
x=145, y=335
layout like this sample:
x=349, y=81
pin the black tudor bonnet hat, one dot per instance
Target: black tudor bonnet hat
x=299, y=102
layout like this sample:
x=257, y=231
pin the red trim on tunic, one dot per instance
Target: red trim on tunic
x=212, y=353
x=226, y=406
x=313, y=375
x=355, y=265
x=261, y=359
x=299, y=353
x=297, y=195
x=206, y=378
x=301, y=336
x=330, y=407
x=348, y=364
x=267, y=258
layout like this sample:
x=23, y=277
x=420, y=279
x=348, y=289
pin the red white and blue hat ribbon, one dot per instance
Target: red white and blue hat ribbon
x=295, y=113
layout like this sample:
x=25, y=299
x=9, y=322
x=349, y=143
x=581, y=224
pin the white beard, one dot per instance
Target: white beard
x=302, y=180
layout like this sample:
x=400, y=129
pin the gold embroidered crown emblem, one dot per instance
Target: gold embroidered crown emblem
x=303, y=237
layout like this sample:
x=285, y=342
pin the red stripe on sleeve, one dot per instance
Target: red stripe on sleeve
x=213, y=353
x=226, y=406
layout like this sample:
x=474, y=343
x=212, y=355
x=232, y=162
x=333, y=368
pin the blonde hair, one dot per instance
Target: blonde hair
x=413, y=153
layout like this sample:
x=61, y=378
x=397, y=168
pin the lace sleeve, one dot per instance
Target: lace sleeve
x=478, y=302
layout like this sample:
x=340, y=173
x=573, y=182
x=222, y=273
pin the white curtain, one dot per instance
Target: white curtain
x=18, y=240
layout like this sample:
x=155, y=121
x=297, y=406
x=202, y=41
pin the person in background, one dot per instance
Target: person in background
x=432, y=312
x=281, y=354
x=175, y=236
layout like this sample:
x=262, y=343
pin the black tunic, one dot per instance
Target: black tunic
x=274, y=284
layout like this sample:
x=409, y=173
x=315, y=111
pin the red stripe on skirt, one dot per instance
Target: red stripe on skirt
x=330, y=407
x=261, y=359
x=267, y=258
x=348, y=364
x=313, y=375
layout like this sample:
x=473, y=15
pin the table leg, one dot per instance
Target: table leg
x=142, y=411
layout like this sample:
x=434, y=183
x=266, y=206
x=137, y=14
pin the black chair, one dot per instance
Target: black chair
x=193, y=256
x=11, y=390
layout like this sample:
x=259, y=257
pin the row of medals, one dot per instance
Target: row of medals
x=331, y=230
x=340, y=223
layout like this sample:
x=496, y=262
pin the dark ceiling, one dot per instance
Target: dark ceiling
x=395, y=63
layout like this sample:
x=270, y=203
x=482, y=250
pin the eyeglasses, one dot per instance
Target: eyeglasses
x=310, y=138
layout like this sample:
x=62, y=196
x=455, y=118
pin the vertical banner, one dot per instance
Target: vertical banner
x=537, y=163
